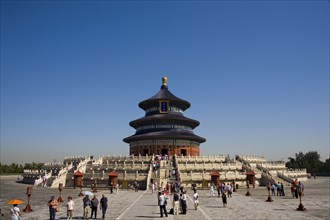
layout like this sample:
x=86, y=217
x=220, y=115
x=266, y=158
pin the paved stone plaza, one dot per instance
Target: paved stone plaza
x=143, y=204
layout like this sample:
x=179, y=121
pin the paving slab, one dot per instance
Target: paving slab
x=128, y=204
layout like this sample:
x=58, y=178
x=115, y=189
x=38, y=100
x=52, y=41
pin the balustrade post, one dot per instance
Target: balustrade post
x=60, y=188
x=29, y=193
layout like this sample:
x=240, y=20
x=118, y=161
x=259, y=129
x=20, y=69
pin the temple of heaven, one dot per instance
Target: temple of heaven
x=164, y=130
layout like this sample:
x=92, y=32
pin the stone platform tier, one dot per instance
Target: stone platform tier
x=193, y=170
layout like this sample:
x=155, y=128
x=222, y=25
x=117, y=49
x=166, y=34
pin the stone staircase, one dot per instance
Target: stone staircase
x=277, y=179
x=163, y=173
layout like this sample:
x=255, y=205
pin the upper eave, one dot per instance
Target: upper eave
x=164, y=94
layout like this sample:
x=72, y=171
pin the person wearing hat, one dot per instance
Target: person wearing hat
x=52, y=203
x=69, y=207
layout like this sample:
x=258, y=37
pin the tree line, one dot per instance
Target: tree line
x=311, y=161
x=18, y=168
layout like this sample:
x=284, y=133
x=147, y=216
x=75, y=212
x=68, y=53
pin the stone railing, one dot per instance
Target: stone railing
x=77, y=158
x=210, y=158
x=273, y=165
x=294, y=173
x=286, y=178
x=209, y=166
x=268, y=178
x=199, y=176
x=263, y=169
x=41, y=177
x=134, y=165
x=128, y=158
x=82, y=165
x=53, y=164
x=27, y=172
x=46, y=175
x=258, y=159
x=61, y=177
x=98, y=161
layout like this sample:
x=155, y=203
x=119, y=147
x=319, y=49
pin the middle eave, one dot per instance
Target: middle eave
x=159, y=118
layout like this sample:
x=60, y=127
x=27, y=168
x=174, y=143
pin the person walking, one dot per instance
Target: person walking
x=52, y=203
x=1, y=212
x=103, y=205
x=278, y=189
x=14, y=212
x=212, y=190
x=224, y=200
x=184, y=203
x=69, y=207
x=196, y=202
x=273, y=190
x=152, y=187
x=162, y=204
x=117, y=188
x=86, y=205
x=282, y=190
x=229, y=190
x=293, y=189
x=218, y=188
x=111, y=188
x=94, y=204
x=175, y=203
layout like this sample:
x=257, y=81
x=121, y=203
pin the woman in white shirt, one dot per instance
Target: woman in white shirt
x=162, y=204
x=14, y=212
x=196, y=202
x=69, y=207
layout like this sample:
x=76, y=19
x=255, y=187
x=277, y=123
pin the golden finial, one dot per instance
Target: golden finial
x=164, y=80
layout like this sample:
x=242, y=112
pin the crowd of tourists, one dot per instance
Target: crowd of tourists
x=90, y=205
x=174, y=194
x=171, y=196
x=296, y=188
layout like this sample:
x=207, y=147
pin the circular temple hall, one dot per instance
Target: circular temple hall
x=164, y=130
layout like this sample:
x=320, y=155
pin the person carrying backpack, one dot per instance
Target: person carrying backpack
x=86, y=205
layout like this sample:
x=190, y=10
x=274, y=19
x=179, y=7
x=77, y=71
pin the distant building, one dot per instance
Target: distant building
x=164, y=129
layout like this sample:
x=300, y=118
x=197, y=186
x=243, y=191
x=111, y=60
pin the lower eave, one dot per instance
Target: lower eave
x=164, y=135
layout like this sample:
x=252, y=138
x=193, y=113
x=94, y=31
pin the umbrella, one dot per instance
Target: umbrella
x=15, y=201
x=87, y=193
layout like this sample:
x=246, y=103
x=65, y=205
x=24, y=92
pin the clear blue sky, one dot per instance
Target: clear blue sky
x=73, y=73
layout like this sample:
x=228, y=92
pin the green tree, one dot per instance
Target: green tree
x=326, y=166
x=311, y=161
x=292, y=163
x=12, y=168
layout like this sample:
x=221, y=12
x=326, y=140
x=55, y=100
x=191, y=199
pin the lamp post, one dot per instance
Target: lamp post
x=80, y=186
x=301, y=206
x=269, y=199
x=248, y=187
x=29, y=193
x=95, y=186
x=60, y=188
